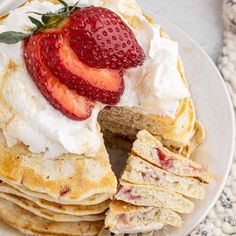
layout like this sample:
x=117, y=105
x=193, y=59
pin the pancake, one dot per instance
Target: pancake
x=197, y=139
x=126, y=122
x=30, y=224
x=138, y=171
x=68, y=179
x=144, y=195
x=93, y=200
x=75, y=210
x=124, y=141
x=150, y=149
x=45, y=213
x=123, y=217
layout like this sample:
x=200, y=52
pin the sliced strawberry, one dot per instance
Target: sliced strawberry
x=104, y=85
x=58, y=95
x=101, y=39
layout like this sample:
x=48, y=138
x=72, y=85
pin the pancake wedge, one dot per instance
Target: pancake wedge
x=143, y=195
x=150, y=149
x=30, y=224
x=125, y=218
x=139, y=171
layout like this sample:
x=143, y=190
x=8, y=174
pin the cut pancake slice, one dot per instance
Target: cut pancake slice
x=152, y=188
x=138, y=171
x=30, y=224
x=67, y=179
x=143, y=195
x=45, y=213
x=75, y=210
x=125, y=218
x=150, y=149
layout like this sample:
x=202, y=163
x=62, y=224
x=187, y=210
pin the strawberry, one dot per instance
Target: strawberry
x=101, y=39
x=104, y=85
x=58, y=95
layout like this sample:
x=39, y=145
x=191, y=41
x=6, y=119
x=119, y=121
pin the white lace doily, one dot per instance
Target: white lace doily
x=221, y=221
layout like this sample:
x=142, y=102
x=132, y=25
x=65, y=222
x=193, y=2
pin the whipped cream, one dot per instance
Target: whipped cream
x=27, y=117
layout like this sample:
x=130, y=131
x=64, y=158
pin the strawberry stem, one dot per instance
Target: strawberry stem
x=65, y=5
x=74, y=7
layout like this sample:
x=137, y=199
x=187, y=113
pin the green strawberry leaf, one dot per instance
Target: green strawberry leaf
x=12, y=37
x=36, y=22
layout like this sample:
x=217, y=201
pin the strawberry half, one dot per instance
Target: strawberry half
x=57, y=94
x=104, y=85
x=101, y=39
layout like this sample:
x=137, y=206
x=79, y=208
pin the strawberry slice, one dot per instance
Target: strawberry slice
x=101, y=39
x=57, y=94
x=104, y=85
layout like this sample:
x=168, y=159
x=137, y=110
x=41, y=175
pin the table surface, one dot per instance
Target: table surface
x=200, y=19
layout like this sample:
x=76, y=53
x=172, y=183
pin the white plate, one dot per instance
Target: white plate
x=214, y=110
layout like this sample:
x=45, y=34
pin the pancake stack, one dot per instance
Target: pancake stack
x=67, y=195
x=155, y=188
x=70, y=194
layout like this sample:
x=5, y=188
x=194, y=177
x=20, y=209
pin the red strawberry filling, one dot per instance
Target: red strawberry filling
x=127, y=192
x=58, y=95
x=104, y=85
x=165, y=161
x=64, y=191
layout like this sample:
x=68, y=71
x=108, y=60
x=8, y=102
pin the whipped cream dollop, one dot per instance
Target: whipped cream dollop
x=156, y=87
